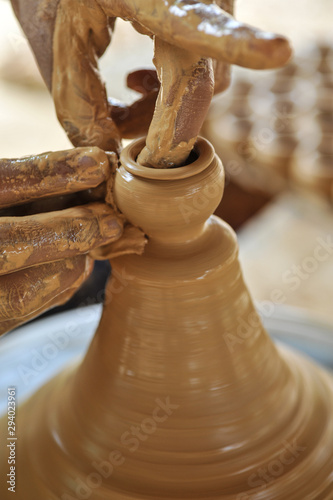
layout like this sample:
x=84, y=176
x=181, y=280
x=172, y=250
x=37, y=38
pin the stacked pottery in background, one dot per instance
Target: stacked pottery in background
x=229, y=126
x=312, y=167
x=278, y=104
x=289, y=125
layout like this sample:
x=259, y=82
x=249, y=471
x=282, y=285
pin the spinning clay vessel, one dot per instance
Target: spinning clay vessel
x=182, y=394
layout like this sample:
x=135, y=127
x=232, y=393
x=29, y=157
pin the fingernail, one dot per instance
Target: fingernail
x=88, y=267
x=111, y=227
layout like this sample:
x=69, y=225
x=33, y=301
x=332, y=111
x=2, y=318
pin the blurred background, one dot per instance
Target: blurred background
x=273, y=131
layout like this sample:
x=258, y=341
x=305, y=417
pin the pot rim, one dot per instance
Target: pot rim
x=202, y=147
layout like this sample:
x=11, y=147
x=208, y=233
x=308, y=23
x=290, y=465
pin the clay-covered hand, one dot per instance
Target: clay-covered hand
x=68, y=37
x=45, y=257
x=67, y=40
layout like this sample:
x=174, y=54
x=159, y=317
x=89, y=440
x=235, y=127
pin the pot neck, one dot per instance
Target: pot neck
x=170, y=205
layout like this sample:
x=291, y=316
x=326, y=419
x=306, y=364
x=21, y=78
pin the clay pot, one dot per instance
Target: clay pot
x=312, y=168
x=182, y=394
x=169, y=205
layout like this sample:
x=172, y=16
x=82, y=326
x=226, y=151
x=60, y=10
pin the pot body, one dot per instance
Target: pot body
x=182, y=393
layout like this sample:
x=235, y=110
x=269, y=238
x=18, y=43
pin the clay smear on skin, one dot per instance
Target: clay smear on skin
x=49, y=174
x=187, y=87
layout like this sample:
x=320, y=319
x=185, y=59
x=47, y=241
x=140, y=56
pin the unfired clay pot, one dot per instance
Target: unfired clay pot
x=182, y=394
x=312, y=166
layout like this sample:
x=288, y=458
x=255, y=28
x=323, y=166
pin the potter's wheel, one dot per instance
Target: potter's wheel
x=34, y=353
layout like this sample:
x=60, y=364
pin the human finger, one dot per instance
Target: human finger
x=78, y=90
x=49, y=174
x=29, y=292
x=222, y=76
x=134, y=120
x=36, y=239
x=82, y=31
x=143, y=80
x=203, y=27
x=132, y=241
x=187, y=85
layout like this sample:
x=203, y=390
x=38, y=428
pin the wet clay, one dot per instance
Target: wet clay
x=50, y=174
x=64, y=234
x=84, y=113
x=134, y=120
x=45, y=247
x=182, y=394
x=168, y=402
x=187, y=87
x=203, y=27
x=81, y=34
x=54, y=282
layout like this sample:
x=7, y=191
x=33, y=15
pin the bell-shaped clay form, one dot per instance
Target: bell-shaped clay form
x=182, y=394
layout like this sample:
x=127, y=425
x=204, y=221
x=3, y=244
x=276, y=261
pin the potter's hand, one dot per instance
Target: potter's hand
x=68, y=36
x=44, y=258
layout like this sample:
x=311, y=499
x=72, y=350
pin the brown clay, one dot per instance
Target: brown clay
x=82, y=33
x=68, y=37
x=134, y=120
x=207, y=30
x=63, y=235
x=55, y=283
x=187, y=87
x=51, y=174
x=182, y=394
x=50, y=230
